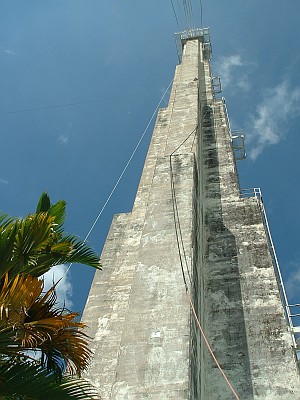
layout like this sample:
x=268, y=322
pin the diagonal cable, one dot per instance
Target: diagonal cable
x=122, y=173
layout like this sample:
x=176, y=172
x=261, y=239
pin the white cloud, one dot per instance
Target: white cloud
x=232, y=72
x=64, y=139
x=108, y=61
x=9, y=52
x=267, y=126
x=3, y=181
x=244, y=84
x=293, y=282
x=226, y=66
x=64, y=287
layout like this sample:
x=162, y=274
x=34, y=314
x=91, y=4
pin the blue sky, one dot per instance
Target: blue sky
x=80, y=79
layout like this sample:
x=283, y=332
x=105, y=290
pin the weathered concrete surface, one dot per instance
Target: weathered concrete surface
x=237, y=292
x=137, y=309
x=146, y=344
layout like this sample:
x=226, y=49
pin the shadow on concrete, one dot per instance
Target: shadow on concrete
x=216, y=285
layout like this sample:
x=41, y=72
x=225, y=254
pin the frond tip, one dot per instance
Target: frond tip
x=22, y=380
x=36, y=243
x=43, y=204
x=30, y=320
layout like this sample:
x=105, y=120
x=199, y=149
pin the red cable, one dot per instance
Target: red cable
x=209, y=348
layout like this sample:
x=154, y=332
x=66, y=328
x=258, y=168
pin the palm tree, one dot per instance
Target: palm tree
x=36, y=243
x=41, y=345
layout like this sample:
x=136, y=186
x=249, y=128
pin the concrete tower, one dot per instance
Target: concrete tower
x=191, y=232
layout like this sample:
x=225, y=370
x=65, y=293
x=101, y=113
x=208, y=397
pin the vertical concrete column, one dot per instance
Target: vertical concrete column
x=235, y=286
x=137, y=309
x=146, y=343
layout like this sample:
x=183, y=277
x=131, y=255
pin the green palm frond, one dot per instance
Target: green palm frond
x=37, y=243
x=21, y=242
x=30, y=319
x=34, y=237
x=57, y=210
x=80, y=252
x=26, y=381
x=5, y=220
x=44, y=203
x=8, y=230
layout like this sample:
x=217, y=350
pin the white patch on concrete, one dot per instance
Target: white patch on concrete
x=155, y=334
x=102, y=330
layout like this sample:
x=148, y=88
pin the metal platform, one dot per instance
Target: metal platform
x=292, y=318
x=202, y=34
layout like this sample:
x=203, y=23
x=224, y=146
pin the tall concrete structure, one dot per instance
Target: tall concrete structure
x=191, y=231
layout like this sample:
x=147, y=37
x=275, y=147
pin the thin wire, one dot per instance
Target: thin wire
x=181, y=144
x=122, y=173
x=191, y=13
x=187, y=290
x=175, y=14
x=66, y=104
x=194, y=140
x=178, y=234
x=178, y=231
x=175, y=223
x=209, y=348
x=201, y=14
x=179, y=5
x=187, y=2
x=188, y=13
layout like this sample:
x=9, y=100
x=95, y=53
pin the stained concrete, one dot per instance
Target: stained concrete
x=146, y=343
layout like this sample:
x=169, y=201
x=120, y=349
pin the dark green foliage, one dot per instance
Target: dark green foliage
x=29, y=317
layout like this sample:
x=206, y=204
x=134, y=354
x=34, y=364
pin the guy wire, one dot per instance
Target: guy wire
x=121, y=175
x=175, y=15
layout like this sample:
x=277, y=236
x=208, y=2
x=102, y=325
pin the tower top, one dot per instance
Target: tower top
x=201, y=34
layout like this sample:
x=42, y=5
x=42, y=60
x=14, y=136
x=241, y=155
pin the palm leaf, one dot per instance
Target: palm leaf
x=8, y=231
x=17, y=297
x=30, y=320
x=5, y=220
x=36, y=243
x=35, y=235
x=69, y=249
x=58, y=210
x=81, y=253
x=43, y=204
x=24, y=380
x=21, y=242
x=33, y=245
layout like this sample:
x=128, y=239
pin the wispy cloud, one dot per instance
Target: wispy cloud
x=232, y=76
x=9, y=52
x=3, y=181
x=64, y=139
x=225, y=67
x=64, y=288
x=267, y=125
x=108, y=61
x=293, y=282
